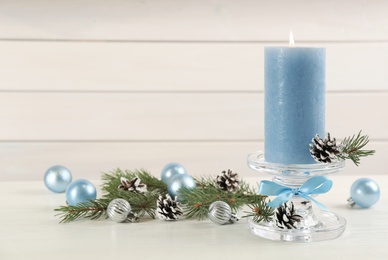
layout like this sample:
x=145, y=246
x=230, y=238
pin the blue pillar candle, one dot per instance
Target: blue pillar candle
x=294, y=102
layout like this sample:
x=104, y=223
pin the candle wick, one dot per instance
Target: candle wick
x=292, y=42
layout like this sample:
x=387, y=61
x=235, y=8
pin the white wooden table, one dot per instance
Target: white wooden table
x=29, y=230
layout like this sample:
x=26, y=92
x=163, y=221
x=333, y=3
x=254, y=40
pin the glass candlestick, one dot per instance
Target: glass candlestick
x=297, y=220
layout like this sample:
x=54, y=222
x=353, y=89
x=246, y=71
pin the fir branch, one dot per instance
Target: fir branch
x=112, y=179
x=141, y=203
x=260, y=211
x=196, y=201
x=92, y=209
x=352, y=148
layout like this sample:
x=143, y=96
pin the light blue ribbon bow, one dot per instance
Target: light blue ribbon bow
x=314, y=185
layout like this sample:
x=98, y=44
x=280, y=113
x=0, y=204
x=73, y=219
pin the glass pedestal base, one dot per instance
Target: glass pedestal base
x=330, y=226
x=296, y=220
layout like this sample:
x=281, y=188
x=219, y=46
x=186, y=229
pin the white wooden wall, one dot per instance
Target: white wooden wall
x=95, y=85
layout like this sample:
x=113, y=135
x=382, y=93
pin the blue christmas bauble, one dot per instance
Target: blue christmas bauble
x=179, y=181
x=80, y=191
x=57, y=178
x=170, y=170
x=365, y=192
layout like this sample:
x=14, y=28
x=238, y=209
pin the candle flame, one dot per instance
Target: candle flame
x=292, y=42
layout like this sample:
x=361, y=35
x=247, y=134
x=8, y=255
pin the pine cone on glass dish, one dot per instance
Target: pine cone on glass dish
x=326, y=150
x=286, y=218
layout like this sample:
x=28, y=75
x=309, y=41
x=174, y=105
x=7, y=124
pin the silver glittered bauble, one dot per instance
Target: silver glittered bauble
x=178, y=182
x=57, y=178
x=221, y=213
x=119, y=210
x=171, y=170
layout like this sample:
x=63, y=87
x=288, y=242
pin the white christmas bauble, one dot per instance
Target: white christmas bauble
x=221, y=213
x=118, y=210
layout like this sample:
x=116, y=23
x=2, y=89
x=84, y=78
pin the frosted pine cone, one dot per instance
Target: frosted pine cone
x=325, y=151
x=132, y=185
x=285, y=217
x=168, y=209
x=228, y=181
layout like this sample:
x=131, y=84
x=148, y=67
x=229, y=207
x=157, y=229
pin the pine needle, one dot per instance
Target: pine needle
x=92, y=209
x=196, y=201
x=260, y=211
x=352, y=148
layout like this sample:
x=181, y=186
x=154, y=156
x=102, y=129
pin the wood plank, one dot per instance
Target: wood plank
x=127, y=116
x=170, y=116
x=174, y=20
x=95, y=66
x=28, y=161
